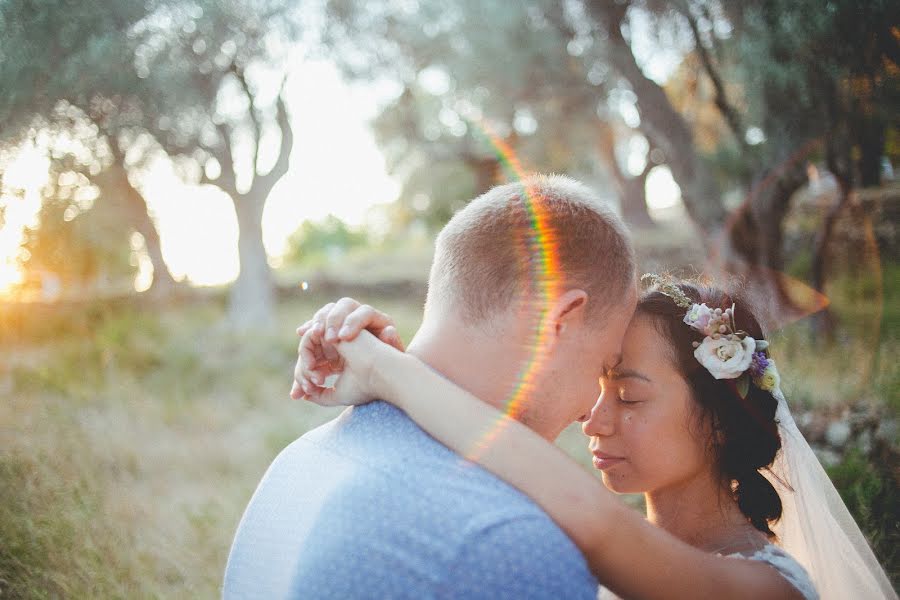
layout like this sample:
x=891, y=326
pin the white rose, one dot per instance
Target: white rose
x=726, y=357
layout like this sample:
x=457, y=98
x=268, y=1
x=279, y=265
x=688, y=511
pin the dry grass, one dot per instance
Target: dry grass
x=129, y=455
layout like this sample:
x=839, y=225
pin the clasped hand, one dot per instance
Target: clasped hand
x=338, y=351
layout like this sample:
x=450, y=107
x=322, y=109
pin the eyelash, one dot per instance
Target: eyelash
x=619, y=396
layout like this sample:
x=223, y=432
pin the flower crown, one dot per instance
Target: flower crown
x=726, y=352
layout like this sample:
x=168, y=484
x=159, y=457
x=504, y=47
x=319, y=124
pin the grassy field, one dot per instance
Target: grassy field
x=133, y=437
x=130, y=449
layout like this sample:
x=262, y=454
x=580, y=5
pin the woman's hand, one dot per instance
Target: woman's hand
x=319, y=364
x=344, y=319
x=358, y=377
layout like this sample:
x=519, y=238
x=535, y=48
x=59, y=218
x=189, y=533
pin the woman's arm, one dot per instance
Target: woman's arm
x=627, y=554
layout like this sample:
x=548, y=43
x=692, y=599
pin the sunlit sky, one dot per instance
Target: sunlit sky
x=336, y=168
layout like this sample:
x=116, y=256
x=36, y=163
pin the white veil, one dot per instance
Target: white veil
x=816, y=528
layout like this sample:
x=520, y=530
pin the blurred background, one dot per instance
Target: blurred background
x=184, y=182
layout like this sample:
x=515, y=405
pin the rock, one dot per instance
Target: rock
x=827, y=457
x=887, y=431
x=864, y=442
x=837, y=434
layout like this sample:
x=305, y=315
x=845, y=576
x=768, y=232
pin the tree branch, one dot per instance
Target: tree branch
x=254, y=118
x=264, y=183
x=607, y=148
x=648, y=164
x=227, y=179
x=717, y=45
x=725, y=108
x=660, y=121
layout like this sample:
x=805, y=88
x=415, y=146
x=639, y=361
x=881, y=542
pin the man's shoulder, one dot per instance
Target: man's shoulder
x=374, y=493
x=384, y=449
x=382, y=438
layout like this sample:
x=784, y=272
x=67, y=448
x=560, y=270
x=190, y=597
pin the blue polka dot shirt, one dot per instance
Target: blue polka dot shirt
x=370, y=506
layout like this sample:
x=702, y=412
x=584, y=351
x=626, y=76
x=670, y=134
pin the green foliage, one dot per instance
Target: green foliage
x=324, y=242
x=80, y=247
x=476, y=74
x=59, y=50
x=820, y=71
x=870, y=488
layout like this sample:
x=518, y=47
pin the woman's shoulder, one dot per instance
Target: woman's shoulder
x=786, y=565
x=772, y=555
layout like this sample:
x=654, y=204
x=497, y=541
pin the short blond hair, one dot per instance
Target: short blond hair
x=485, y=256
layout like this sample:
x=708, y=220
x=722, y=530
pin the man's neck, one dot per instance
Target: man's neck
x=486, y=366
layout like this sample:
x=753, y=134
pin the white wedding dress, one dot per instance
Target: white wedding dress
x=785, y=564
x=772, y=555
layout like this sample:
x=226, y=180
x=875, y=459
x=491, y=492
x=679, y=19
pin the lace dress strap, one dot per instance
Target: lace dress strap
x=785, y=564
x=772, y=555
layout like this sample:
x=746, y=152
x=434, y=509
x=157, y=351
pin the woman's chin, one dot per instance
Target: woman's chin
x=619, y=485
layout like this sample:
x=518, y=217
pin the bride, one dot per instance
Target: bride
x=692, y=417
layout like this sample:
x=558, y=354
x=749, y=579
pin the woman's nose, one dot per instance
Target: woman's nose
x=601, y=421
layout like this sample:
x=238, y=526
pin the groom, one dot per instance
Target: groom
x=370, y=506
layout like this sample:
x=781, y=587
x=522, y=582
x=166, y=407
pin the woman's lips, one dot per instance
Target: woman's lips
x=603, y=461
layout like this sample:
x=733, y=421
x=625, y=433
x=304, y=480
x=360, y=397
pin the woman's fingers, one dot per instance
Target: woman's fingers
x=335, y=319
x=302, y=390
x=344, y=319
x=318, y=355
x=318, y=318
x=311, y=358
x=390, y=336
x=364, y=317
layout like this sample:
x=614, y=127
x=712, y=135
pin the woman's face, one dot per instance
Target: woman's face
x=644, y=433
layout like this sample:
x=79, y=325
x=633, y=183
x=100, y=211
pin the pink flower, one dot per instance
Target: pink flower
x=727, y=357
x=698, y=317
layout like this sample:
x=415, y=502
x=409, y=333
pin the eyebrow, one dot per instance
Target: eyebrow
x=628, y=374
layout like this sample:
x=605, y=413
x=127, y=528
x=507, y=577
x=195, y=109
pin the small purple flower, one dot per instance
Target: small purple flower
x=759, y=364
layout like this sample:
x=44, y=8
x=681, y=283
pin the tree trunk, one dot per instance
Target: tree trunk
x=252, y=301
x=756, y=236
x=824, y=322
x=115, y=181
x=485, y=170
x=839, y=161
x=632, y=191
x=871, y=144
x=633, y=195
x=664, y=125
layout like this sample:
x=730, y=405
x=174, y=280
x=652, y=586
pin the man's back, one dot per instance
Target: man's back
x=369, y=506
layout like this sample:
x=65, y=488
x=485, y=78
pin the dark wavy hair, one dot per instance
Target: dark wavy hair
x=744, y=434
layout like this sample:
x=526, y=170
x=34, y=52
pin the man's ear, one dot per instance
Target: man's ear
x=567, y=310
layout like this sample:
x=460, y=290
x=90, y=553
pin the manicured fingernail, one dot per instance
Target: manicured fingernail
x=344, y=331
x=331, y=334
